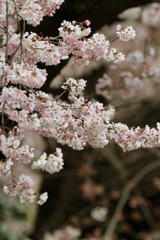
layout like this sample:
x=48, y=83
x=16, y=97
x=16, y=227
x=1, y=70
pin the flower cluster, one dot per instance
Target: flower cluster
x=31, y=11
x=130, y=139
x=54, y=162
x=5, y=167
x=126, y=34
x=10, y=147
x=73, y=124
x=75, y=87
x=42, y=198
x=87, y=49
x=24, y=191
x=71, y=40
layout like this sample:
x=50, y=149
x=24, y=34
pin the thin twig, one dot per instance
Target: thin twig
x=13, y=180
x=114, y=39
x=60, y=95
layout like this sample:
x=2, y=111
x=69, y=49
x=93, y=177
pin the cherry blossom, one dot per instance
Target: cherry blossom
x=43, y=198
x=74, y=123
x=126, y=34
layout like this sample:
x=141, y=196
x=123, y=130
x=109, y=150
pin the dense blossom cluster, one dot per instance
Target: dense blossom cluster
x=23, y=189
x=75, y=123
x=130, y=139
x=31, y=11
x=71, y=40
x=74, y=87
x=54, y=162
x=85, y=49
x=126, y=34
